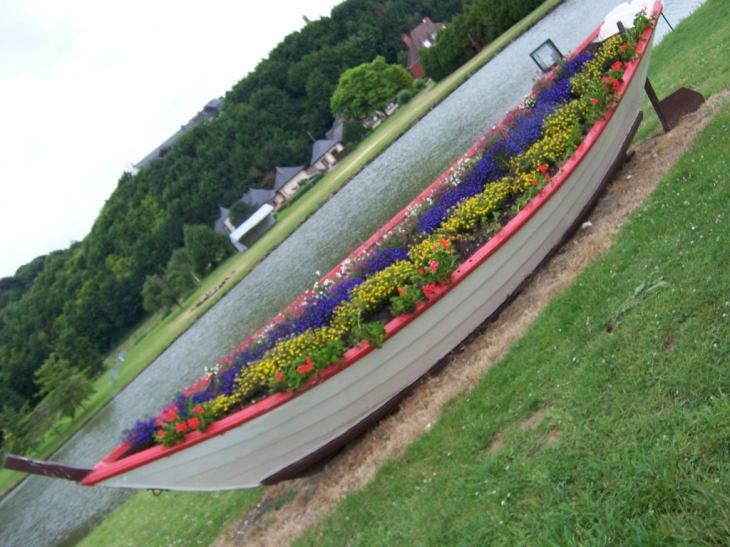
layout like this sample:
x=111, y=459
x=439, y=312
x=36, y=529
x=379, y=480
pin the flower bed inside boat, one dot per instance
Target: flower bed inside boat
x=409, y=263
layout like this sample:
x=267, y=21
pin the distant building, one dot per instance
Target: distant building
x=422, y=36
x=247, y=233
x=210, y=111
x=324, y=154
x=223, y=225
x=286, y=184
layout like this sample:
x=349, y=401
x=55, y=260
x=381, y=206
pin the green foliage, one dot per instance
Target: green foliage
x=207, y=248
x=20, y=429
x=296, y=374
x=369, y=87
x=13, y=288
x=372, y=332
x=79, y=350
x=354, y=132
x=158, y=295
x=404, y=96
x=163, y=292
x=420, y=84
x=64, y=386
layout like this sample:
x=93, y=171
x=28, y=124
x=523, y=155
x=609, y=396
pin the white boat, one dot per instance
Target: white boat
x=281, y=435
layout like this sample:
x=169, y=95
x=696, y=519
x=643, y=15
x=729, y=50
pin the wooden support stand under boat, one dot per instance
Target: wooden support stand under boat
x=46, y=469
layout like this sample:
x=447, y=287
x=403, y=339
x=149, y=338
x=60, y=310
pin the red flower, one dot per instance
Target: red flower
x=542, y=168
x=181, y=427
x=594, y=101
x=433, y=266
x=167, y=415
x=306, y=367
x=279, y=376
x=420, y=271
x=617, y=65
x=161, y=433
x=610, y=83
x=624, y=47
x=198, y=409
x=401, y=291
x=444, y=243
x=534, y=182
x=193, y=423
x=430, y=289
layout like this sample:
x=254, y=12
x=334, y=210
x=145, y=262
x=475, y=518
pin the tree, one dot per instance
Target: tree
x=157, y=295
x=163, y=292
x=80, y=350
x=179, y=271
x=207, y=248
x=368, y=87
x=20, y=432
x=63, y=384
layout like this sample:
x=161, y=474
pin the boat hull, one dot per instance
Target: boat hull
x=294, y=430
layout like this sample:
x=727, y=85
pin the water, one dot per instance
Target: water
x=45, y=512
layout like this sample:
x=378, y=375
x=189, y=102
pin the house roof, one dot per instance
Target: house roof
x=424, y=35
x=337, y=130
x=284, y=175
x=210, y=111
x=218, y=227
x=320, y=148
x=257, y=196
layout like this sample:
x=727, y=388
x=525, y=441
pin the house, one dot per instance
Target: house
x=422, y=36
x=247, y=233
x=323, y=154
x=286, y=184
x=253, y=196
x=210, y=111
x=223, y=225
x=257, y=196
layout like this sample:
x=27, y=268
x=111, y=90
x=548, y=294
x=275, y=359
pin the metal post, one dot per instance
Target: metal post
x=655, y=103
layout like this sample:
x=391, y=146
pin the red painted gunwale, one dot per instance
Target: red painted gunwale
x=116, y=464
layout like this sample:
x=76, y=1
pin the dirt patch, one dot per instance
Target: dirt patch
x=531, y=422
x=496, y=446
x=356, y=464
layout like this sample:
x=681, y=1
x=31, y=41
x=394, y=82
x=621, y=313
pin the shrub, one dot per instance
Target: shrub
x=404, y=96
